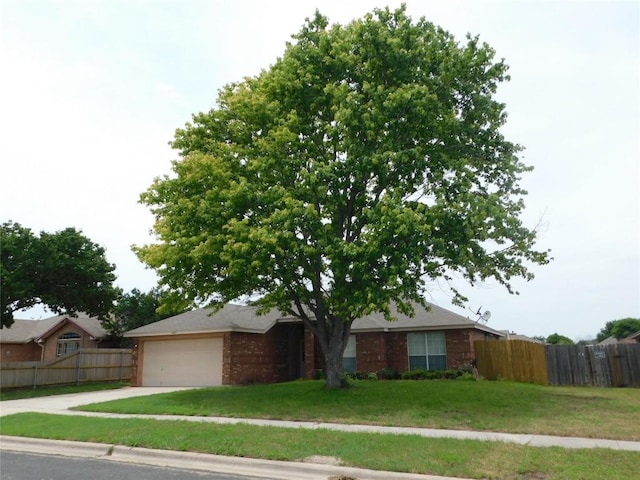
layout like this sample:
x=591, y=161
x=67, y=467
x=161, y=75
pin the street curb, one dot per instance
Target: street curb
x=65, y=448
x=271, y=469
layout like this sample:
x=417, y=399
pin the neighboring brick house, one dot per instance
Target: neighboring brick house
x=236, y=346
x=50, y=338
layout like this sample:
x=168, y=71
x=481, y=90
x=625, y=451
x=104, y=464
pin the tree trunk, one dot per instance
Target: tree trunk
x=333, y=364
x=333, y=340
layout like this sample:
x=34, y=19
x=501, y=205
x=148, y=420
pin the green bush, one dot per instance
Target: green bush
x=417, y=374
x=392, y=374
x=421, y=374
x=318, y=374
x=389, y=374
x=357, y=375
x=347, y=381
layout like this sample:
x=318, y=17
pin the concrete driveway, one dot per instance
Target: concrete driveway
x=60, y=403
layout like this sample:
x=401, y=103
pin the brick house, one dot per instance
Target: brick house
x=236, y=346
x=50, y=338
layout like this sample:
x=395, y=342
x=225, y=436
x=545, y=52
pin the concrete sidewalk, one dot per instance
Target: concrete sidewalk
x=253, y=467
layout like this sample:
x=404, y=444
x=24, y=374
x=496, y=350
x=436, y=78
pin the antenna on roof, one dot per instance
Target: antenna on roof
x=482, y=317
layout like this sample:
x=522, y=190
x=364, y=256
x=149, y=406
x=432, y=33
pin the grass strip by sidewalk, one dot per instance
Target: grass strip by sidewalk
x=58, y=390
x=459, y=405
x=402, y=453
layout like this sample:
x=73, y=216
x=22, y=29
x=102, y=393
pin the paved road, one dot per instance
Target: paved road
x=30, y=466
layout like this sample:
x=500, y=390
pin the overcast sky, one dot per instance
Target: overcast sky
x=92, y=91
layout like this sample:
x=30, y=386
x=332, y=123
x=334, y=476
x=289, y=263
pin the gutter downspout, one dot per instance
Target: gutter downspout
x=40, y=343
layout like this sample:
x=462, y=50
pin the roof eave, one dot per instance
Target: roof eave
x=17, y=342
x=133, y=334
x=418, y=328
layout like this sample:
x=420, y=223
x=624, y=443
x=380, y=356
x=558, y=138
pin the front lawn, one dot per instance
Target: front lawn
x=18, y=394
x=467, y=405
x=402, y=453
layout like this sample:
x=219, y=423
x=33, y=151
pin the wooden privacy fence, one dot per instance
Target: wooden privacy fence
x=615, y=365
x=86, y=365
x=513, y=359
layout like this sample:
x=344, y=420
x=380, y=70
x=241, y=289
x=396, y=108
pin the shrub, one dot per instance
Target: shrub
x=417, y=374
x=357, y=375
x=451, y=374
x=347, y=381
x=467, y=377
x=318, y=374
x=389, y=374
x=466, y=369
x=421, y=374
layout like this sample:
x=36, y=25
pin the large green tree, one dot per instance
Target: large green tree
x=65, y=271
x=365, y=162
x=619, y=328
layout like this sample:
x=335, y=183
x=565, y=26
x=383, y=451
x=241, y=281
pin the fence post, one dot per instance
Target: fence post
x=35, y=376
x=78, y=368
x=614, y=359
x=121, y=366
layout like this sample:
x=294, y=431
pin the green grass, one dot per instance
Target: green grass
x=47, y=391
x=491, y=406
x=402, y=453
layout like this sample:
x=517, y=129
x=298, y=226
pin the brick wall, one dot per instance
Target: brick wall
x=310, y=345
x=378, y=350
x=459, y=348
x=371, y=351
x=21, y=352
x=135, y=355
x=397, y=354
x=261, y=358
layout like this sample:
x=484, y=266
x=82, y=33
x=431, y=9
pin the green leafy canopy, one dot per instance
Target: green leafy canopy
x=619, y=328
x=63, y=270
x=363, y=163
x=366, y=159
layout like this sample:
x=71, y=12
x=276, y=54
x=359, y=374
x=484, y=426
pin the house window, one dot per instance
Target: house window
x=68, y=343
x=427, y=350
x=349, y=356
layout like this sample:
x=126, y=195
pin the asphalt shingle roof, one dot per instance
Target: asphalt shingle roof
x=243, y=318
x=24, y=331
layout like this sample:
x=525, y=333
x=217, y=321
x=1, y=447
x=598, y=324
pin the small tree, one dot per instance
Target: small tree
x=64, y=271
x=557, y=339
x=365, y=162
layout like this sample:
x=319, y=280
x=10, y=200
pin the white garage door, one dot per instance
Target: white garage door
x=182, y=363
